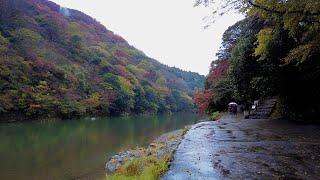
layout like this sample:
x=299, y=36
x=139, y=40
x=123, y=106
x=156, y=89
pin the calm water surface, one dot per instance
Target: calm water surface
x=76, y=149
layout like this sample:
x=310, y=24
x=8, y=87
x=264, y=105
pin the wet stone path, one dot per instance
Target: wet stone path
x=237, y=148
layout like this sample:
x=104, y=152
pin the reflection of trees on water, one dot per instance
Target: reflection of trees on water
x=68, y=148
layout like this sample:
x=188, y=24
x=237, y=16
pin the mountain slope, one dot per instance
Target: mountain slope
x=59, y=62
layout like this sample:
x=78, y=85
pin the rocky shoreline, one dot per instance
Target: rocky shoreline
x=163, y=146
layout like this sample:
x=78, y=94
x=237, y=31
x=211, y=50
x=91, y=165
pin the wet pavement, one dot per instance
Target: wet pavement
x=237, y=148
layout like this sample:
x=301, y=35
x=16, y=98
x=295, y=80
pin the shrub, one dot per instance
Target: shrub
x=215, y=116
x=141, y=168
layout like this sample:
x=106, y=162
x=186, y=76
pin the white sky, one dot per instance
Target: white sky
x=170, y=31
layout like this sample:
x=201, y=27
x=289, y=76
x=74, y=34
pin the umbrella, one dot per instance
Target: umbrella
x=233, y=103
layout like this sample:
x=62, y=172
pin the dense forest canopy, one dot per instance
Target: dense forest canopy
x=59, y=62
x=274, y=51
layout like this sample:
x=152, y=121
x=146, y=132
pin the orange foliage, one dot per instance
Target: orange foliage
x=202, y=100
x=218, y=71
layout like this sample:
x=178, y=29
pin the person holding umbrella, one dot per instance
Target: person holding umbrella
x=233, y=107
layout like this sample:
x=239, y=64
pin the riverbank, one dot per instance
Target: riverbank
x=146, y=163
x=77, y=149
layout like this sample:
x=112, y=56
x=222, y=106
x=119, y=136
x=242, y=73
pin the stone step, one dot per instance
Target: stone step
x=261, y=114
x=264, y=109
x=258, y=117
x=266, y=105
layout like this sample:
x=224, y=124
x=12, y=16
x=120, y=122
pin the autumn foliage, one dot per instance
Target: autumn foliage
x=202, y=99
x=218, y=71
x=58, y=62
x=273, y=52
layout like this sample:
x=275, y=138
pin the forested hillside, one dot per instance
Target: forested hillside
x=58, y=62
x=274, y=51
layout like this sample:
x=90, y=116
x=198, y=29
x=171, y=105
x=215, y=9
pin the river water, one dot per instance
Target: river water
x=77, y=149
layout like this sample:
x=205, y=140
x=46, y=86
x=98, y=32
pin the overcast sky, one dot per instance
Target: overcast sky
x=170, y=31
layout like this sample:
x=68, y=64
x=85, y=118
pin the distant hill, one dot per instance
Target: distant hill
x=59, y=62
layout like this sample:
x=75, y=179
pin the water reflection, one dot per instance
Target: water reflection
x=79, y=148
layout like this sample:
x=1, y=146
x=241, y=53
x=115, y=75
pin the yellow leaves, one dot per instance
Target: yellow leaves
x=265, y=8
x=163, y=91
x=34, y=106
x=301, y=53
x=146, y=65
x=264, y=40
x=292, y=23
x=105, y=64
x=136, y=70
x=101, y=51
x=75, y=29
x=161, y=81
x=94, y=100
x=126, y=85
x=43, y=86
x=26, y=35
x=185, y=96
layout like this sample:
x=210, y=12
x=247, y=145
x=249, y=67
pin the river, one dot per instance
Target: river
x=77, y=149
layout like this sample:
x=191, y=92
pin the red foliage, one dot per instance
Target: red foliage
x=48, y=71
x=26, y=90
x=109, y=96
x=52, y=13
x=151, y=75
x=202, y=100
x=72, y=79
x=121, y=54
x=218, y=71
x=121, y=70
x=40, y=65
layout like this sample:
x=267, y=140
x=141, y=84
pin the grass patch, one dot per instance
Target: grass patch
x=144, y=168
x=152, y=162
x=184, y=131
x=215, y=116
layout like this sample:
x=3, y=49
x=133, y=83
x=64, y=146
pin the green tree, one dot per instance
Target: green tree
x=3, y=44
x=26, y=41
